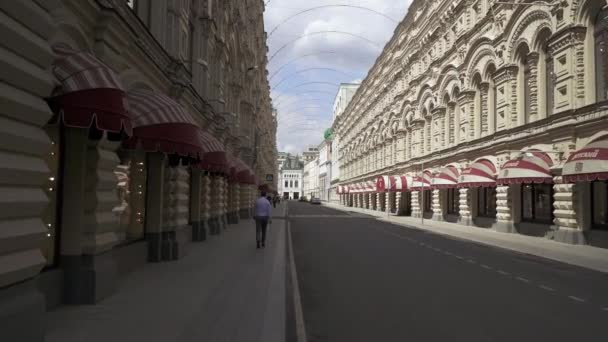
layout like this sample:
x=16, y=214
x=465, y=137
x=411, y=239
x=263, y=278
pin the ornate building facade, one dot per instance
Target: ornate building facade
x=487, y=114
x=130, y=129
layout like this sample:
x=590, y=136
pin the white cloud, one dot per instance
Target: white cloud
x=351, y=59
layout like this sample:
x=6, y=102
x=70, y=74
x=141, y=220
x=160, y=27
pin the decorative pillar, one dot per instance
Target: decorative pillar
x=506, y=97
x=214, y=220
x=158, y=243
x=503, y=210
x=89, y=274
x=244, y=195
x=195, y=204
x=205, y=205
x=416, y=209
x=566, y=213
x=223, y=202
x=176, y=205
x=465, y=210
x=466, y=103
x=356, y=200
x=232, y=210
x=398, y=203
x=436, y=205
x=379, y=202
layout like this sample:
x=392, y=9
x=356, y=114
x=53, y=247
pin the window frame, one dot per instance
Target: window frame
x=534, y=218
x=482, y=210
x=453, y=201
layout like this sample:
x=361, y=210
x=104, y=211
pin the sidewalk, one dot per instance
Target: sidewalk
x=223, y=290
x=585, y=256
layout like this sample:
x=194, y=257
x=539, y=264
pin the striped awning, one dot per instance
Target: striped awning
x=90, y=93
x=529, y=167
x=421, y=182
x=446, y=178
x=343, y=189
x=392, y=183
x=589, y=163
x=481, y=173
x=214, y=157
x=240, y=172
x=370, y=186
x=162, y=125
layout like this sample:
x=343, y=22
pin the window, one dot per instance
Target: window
x=286, y=183
x=601, y=55
x=527, y=90
x=537, y=203
x=599, y=205
x=290, y=183
x=453, y=201
x=296, y=183
x=427, y=198
x=486, y=202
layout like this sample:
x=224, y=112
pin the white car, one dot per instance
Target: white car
x=315, y=200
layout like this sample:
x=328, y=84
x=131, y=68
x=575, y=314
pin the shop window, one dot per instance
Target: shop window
x=427, y=200
x=599, y=205
x=131, y=192
x=453, y=201
x=52, y=187
x=537, y=203
x=486, y=202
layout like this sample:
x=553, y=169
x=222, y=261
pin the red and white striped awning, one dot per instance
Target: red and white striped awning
x=163, y=125
x=481, y=173
x=343, y=189
x=370, y=186
x=529, y=167
x=240, y=172
x=446, y=178
x=392, y=183
x=421, y=183
x=589, y=163
x=358, y=188
x=214, y=157
x=90, y=93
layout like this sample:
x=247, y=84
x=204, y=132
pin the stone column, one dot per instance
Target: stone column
x=356, y=200
x=465, y=210
x=466, y=103
x=416, y=205
x=398, y=203
x=195, y=204
x=232, y=209
x=205, y=205
x=244, y=201
x=388, y=206
x=566, y=213
x=176, y=205
x=214, y=222
x=89, y=274
x=379, y=201
x=503, y=210
x=436, y=205
x=223, y=202
x=506, y=97
x=158, y=243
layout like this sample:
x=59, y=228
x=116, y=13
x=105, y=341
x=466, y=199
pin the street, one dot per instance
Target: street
x=365, y=280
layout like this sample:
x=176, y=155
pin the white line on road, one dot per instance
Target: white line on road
x=546, y=288
x=448, y=253
x=486, y=267
x=437, y=249
x=605, y=309
x=576, y=299
x=522, y=279
x=458, y=257
x=503, y=272
x=471, y=261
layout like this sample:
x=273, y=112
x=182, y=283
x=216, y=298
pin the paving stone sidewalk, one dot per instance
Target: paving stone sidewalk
x=580, y=255
x=223, y=290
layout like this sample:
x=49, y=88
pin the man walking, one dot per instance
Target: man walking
x=262, y=214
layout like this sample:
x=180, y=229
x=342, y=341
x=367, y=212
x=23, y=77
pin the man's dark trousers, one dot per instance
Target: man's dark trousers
x=261, y=222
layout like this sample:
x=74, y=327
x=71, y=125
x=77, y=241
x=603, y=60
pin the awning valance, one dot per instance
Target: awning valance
x=90, y=93
x=343, y=189
x=589, y=163
x=162, y=125
x=480, y=173
x=392, y=183
x=214, y=157
x=370, y=186
x=529, y=167
x=242, y=173
x=446, y=178
x=421, y=182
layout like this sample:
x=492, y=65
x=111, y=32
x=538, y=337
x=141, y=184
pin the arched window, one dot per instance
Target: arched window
x=449, y=120
x=601, y=55
x=546, y=75
x=524, y=79
x=491, y=99
x=477, y=107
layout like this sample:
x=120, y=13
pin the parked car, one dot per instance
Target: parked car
x=303, y=199
x=315, y=200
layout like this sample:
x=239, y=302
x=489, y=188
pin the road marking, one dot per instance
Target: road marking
x=522, y=279
x=448, y=253
x=437, y=249
x=486, y=267
x=458, y=257
x=546, y=288
x=471, y=261
x=504, y=272
x=605, y=309
x=576, y=299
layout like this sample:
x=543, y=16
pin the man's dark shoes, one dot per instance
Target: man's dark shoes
x=257, y=244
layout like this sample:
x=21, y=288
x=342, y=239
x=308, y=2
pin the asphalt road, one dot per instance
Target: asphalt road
x=365, y=280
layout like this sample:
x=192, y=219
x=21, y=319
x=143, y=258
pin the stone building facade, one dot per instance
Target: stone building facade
x=130, y=129
x=487, y=114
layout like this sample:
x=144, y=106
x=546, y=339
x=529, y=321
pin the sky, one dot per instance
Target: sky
x=307, y=65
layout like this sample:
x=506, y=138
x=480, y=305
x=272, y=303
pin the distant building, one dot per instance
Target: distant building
x=290, y=180
x=311, y=172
